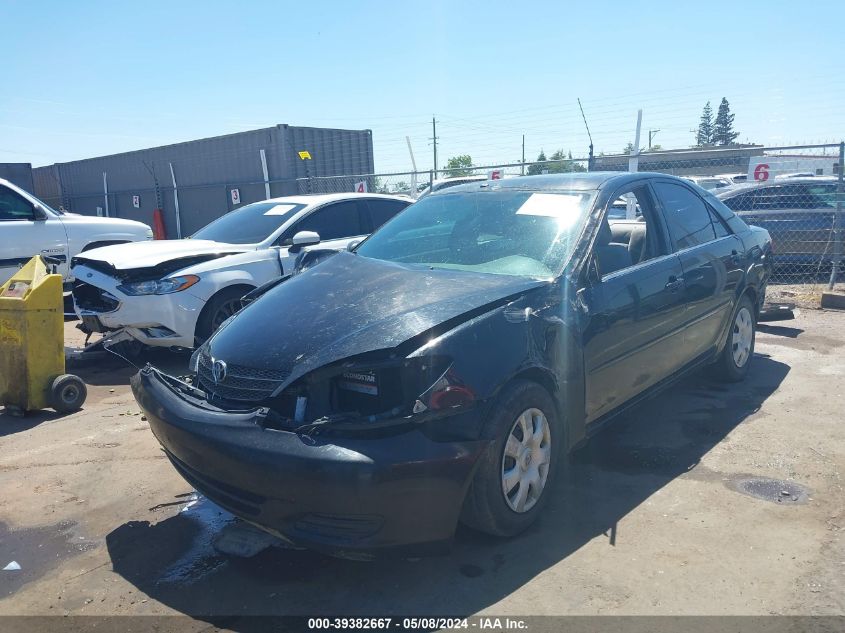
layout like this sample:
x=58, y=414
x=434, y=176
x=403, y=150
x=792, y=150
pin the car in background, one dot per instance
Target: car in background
x=734, y=179
x=709, y=182
x=29, y=227
x=451, y=361
x=798, y=212
x=445, y=183
x=173, y=293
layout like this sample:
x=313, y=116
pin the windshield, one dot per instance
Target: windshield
x=251, y=224
x=521, y=233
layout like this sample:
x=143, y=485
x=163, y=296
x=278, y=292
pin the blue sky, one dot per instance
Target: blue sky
x=84, y=79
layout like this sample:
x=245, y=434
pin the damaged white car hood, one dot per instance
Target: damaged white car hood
x=153, y=253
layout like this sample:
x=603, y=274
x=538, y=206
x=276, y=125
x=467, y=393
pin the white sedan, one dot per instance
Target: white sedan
x=174, y=293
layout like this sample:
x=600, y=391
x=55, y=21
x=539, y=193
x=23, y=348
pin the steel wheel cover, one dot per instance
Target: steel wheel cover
x=743, y=335
x=525, y=461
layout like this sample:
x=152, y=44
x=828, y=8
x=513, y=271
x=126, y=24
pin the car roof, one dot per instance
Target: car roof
x=334, y=197
x=577, y=181
x=751, y=186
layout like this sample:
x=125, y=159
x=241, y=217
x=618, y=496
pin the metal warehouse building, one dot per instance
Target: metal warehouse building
x=198, y=181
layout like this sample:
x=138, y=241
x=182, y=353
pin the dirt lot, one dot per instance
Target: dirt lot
x=652, y=519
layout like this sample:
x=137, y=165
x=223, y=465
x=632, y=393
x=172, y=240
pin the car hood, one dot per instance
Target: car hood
x=153, y=253
x=116, y=224
x=350, y=305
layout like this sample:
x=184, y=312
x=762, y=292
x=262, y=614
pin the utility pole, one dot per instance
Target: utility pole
x=414, y=191
x=590, y=158
x=634, y=158
x=522, y=167
x=434, y=141
x=651, y=135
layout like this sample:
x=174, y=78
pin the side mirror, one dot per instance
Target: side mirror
x=353, y=245
x=304, y=238
x=38, y=213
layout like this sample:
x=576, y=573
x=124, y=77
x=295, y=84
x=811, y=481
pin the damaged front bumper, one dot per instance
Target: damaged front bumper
x=157, y=320
x=350, y=496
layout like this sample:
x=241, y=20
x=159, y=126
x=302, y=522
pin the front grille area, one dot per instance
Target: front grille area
x=93, y=299
x=245, y=384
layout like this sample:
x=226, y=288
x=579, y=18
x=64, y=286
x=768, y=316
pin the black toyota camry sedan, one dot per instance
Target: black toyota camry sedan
x=443, y=369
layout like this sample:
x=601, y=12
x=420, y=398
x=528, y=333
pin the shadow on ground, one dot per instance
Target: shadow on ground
x=615, y=472
x=104, y=368
x=780, y=330
x=100, y=370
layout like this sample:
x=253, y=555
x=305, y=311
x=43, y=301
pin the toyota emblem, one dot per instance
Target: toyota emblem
x=218, y=371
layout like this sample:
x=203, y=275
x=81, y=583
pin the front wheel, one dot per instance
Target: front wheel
x=219, y=308
x=732, y=364
x=512, y=481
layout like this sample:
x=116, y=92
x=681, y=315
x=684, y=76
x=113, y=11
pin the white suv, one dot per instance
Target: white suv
x=28, y=227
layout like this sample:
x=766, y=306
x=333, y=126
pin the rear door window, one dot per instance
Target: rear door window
x=823, y=196
x=783, y=197
x=742, y=202
x=687, y=217
x=382, y=210
x=332, y=222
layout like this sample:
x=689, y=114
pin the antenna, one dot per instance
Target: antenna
x=590, y=159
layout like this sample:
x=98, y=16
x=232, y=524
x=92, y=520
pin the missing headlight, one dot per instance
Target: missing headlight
x=369, y=392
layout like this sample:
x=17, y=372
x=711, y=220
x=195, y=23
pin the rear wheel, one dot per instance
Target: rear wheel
x=732, y=364
x=512, y=480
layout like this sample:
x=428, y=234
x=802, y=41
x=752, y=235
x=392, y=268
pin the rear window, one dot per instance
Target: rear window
x=382, y=210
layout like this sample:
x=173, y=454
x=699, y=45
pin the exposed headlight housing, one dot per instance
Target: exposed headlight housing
x=158, y=286
x=447, y=392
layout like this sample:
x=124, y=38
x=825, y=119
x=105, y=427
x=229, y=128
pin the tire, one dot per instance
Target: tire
x=219, y=308
x=732, y=364
x=487, y=507
x=67, y=393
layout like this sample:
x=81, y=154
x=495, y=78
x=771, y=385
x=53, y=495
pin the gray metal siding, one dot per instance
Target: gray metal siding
x=19, y=174
x=206, y=172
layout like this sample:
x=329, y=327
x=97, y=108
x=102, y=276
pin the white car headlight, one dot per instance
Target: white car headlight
x=158, y=286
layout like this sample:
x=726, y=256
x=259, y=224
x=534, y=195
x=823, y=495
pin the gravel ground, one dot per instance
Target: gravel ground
x=654, y=518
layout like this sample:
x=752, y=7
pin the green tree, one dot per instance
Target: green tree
x=378, y=185
x=458, y=166
x=537, y=168
x=563, y=167
x=723, y=128
x=704, y=136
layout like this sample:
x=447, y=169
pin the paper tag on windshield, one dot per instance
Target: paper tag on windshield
x=279, y=209
x=550, y=205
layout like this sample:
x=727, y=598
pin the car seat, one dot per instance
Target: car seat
x=638, y=245
x=611, y=256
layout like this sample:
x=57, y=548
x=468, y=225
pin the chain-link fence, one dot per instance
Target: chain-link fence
x=795, y=192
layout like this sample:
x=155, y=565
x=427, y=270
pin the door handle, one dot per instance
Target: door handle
x=674, y=284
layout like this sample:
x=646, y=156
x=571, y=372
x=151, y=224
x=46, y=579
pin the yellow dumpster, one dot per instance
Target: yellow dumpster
x=32, y=353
